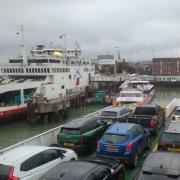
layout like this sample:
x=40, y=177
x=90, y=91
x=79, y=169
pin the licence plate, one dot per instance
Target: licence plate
x=112, y=148
x=69, y=144
x=174, y=149
x=109, y=121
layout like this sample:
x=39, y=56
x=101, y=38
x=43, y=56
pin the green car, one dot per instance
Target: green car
x=82, y=134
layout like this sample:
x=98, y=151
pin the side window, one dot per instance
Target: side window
x=33, y=162
x=52, y=154
x=97, y=174
x=135, y=132
x=140, y=129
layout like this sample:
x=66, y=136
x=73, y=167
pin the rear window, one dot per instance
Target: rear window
x=5, y=171
x=109, y=114
x=177, y=112
x=145, y=111
x=150, y=176
x=114, y=138
x=70, y=131
x=171, y=137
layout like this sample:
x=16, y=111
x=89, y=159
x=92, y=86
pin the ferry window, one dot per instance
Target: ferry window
x=19, y=70
x=26, y=70
x=33, y=70
x=30, y=70
x=7, y=70
x=36, y=70
x=22, y=70
x=62, y=87
x=45, y=70
x=70, y=76
x=4, y=70
x=10, y=70
x=48, y=70
x=42, y=70
x=57, y=70
x=13, y=70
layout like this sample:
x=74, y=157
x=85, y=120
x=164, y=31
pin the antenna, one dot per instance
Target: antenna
x=23, y=44
x=152, y=52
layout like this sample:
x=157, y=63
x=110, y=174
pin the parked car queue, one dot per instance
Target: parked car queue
x=117, y=144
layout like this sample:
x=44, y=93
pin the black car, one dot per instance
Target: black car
x=98, y=169
x=170, y=138
x=160, y=166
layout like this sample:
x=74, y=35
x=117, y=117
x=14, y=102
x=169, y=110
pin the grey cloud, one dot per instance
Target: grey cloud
x=138, y=27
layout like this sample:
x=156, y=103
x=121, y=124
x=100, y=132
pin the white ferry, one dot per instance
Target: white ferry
x=51, y=72
x=135, y=93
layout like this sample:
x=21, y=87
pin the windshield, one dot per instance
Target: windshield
x=171, y=137
x=130, y=94
x=109, y=113
x=177, y=112
x=145, y=111
x=114, y=139
x=70, y=131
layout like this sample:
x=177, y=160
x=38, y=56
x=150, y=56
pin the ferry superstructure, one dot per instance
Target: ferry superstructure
x=50, y=72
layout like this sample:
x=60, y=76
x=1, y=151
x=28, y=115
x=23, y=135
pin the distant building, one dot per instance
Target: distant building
x=166, y=66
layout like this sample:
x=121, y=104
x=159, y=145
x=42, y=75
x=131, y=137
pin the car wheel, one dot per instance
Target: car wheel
x=148, y=143
x=135, y=160
x=156, y=131
x=120, y=176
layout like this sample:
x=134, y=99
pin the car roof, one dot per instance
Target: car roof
x=76, y=170
x=173, y=127
x=79, y=122
x=115, y=108
x=166, y=163
x=147, y=105
x=21, y=152
x=119, y=128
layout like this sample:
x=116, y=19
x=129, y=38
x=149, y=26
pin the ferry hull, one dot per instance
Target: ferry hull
x=14, y=112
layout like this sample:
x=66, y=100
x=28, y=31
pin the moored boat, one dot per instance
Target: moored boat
x=49, y=72
x=135, y=93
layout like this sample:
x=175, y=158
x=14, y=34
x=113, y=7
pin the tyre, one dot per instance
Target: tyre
x=121, y=175
x=135, y=160
x=148, y=143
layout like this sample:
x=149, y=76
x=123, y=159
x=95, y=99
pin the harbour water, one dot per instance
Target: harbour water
x=15, y=132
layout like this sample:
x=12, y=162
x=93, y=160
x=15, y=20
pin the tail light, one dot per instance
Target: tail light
x=152, y=123
x=129, y=147
x=81, y=139
x=11, y=177
x=98, y=145
x=173, y=118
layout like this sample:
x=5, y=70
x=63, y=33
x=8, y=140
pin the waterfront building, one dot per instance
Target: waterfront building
x=166, y=66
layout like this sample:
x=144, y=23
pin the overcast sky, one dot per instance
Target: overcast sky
x=142, y=29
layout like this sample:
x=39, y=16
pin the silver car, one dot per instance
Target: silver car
x=31, y=162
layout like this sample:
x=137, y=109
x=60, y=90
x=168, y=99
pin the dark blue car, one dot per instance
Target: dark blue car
x=124, y=141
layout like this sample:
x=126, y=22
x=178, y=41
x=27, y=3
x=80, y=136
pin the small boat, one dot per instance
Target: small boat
x=135, y=93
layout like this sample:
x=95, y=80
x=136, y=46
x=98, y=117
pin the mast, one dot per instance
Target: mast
x=24, y=55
